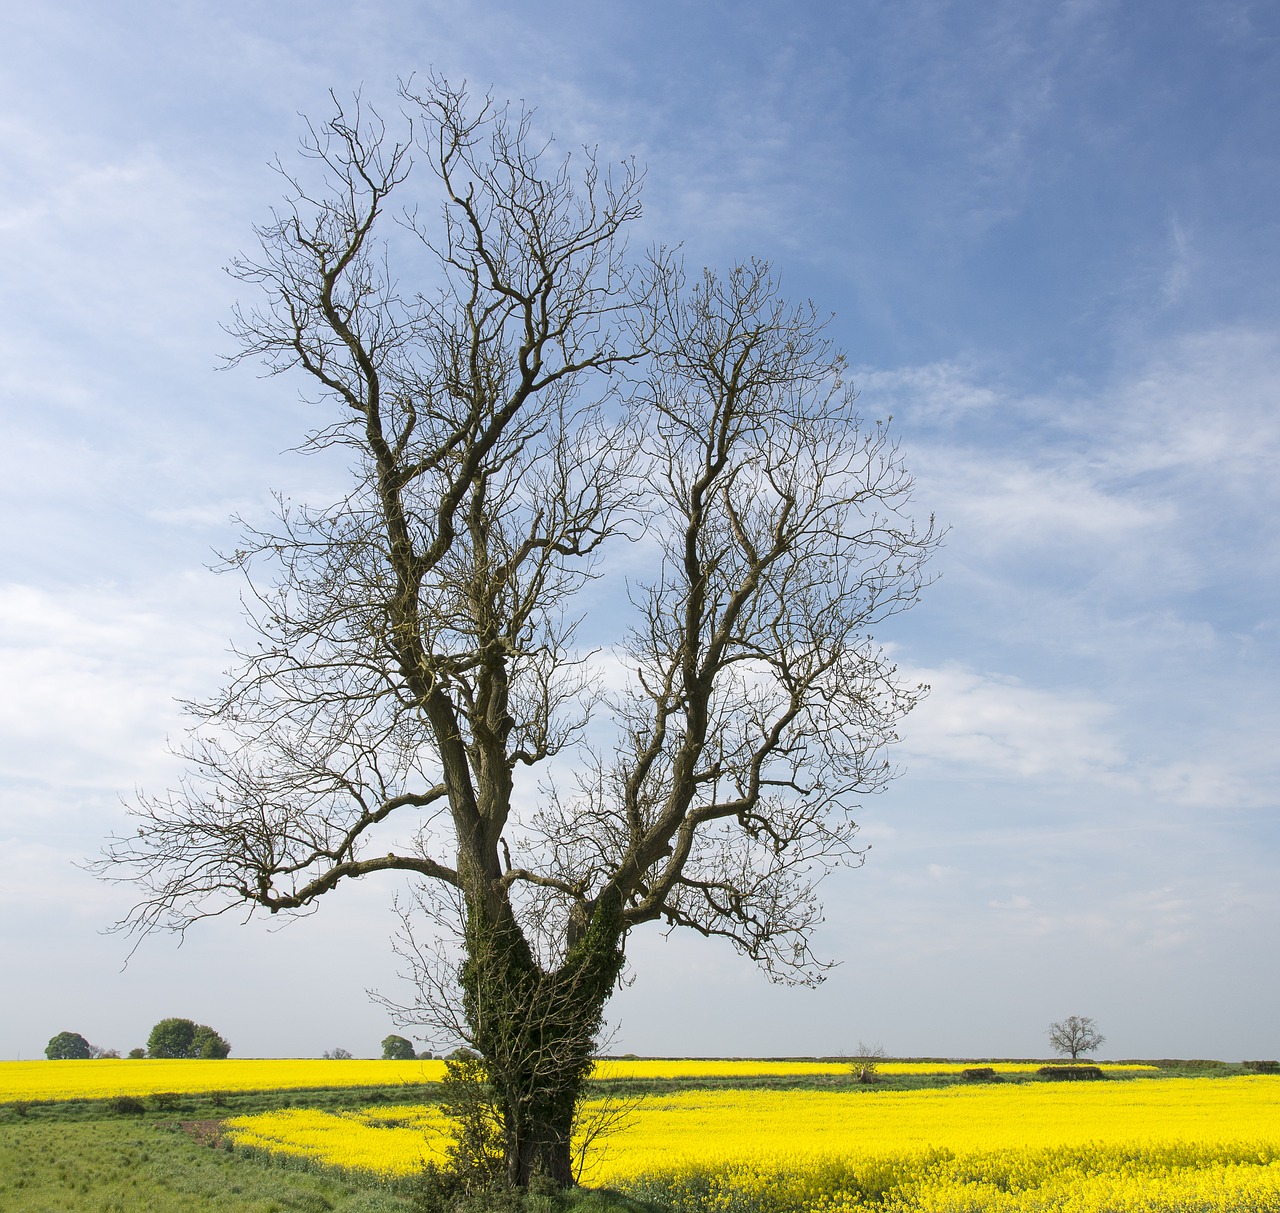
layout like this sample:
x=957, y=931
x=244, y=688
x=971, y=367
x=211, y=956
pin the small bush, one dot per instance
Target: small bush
x=21, y=1106
x=439, y=1190
x=979, y=1074
x=167, y=1101
x=1262, y=1067
x=137, y=1054
x=126, y=1105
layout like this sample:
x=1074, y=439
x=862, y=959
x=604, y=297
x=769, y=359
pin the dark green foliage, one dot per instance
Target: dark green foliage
x=979, y=1074
x=1262, y=1067
x=127, y=1105
x=445, y=1190
x=1069, y=1073
x=68, y=1046
x=171, y=1038
x=137, y=1054
x=469, y=1101
x=208, y=1044
x=184, y=1038
x=396, y=1048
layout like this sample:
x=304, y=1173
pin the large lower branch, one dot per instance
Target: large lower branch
x=275, y=902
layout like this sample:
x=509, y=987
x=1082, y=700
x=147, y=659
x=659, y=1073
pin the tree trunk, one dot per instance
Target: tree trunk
x=536, y=1030
x=541, y=1146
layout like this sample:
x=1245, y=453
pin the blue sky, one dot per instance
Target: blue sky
x=1049, y=238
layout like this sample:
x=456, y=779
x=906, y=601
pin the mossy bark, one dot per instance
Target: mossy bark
x=536, y=1029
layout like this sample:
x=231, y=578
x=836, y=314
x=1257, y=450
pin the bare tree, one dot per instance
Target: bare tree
x=417, y=661
x=1075, y=1035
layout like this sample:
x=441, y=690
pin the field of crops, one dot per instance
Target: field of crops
x=107, y=1077
x=1152, y=1144
x=1181, y=1144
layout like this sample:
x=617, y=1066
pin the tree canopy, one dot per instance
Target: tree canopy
x=1075, y=1035
x=397, y=1048
x=185, y=1038
x=68, y=1046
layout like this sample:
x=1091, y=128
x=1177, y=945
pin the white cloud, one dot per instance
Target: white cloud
x=998, y=725
x=94, y=673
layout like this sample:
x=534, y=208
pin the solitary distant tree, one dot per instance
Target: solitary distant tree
x=68, y=1046
x=1075, y=1035
x=537, y=400
x=337, y=1055
x=397, y=1048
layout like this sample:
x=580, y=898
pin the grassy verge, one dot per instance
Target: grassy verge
x=133, y=1166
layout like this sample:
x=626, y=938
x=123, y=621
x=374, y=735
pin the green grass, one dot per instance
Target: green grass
x=138, y=1166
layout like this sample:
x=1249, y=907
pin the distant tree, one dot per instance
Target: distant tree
x=1075, y=1035
x=184, y=1038
x=866, y=1061
x=171, y=1038
x=207, y=1043
x=137, y=1054
x=337, y=1055
x=68, y=1046
x=396, y=1048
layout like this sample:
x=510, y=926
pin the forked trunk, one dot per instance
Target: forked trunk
x=536, y=1030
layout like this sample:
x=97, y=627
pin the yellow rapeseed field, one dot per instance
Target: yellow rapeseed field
x=106, y=1077
x=1181, y=1144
